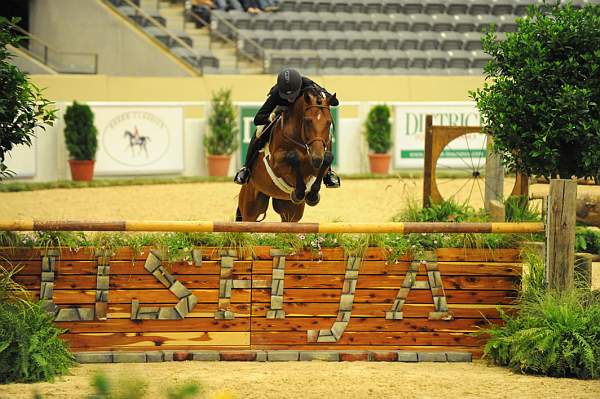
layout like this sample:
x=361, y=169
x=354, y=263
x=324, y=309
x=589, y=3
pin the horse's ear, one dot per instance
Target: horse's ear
x=306, y=97
x=333, y=99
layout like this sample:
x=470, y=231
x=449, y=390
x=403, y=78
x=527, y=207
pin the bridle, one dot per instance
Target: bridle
x=307, y=143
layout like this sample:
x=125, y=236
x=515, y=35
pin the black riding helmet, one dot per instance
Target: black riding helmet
x=289, y=83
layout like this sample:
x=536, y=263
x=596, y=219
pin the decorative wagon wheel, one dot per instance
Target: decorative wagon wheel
x=441, y=144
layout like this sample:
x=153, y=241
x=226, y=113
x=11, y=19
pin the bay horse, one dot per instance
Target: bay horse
x=298, y=155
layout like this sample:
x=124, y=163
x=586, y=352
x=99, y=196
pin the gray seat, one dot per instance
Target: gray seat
x=348, y=23
x=459, y=59
x=364, y=59
x=479, y=59
x=472, y=41
x=159, y=34
x=451, y=41
x=305, y=6
x=329, y=60
x=375, y=40
x=261, y=22
x=339, y=41
x=269, y=41
x=464, y=23
x=417, y=59
x=400, y=60
x=287, y=41
x=340, y=6
x=420, y=22
x=314, y=22
x=480, y=7
x=382, y=59
x=356, y=40
x=357, y=7
x=408, y=41
x=400, y=23
x=307, y=41
x=486, y=22
x=347, y=59
x=456, y=7
x=429, y=40
x=437, y=59
x=330, y=22
x=322, y=42
x=507, y=23
x=373, y=7
x=502, y=7
x=288, y=5
x=279, y=21
x=442, y=23
x=186, y=54
x=276, y=61
x=521, y=6
x=391, y=7
x=434, y=7
x=242, y=21
x=323, y=6
x=381, y=22
x=312, y=63
x=413, y=7
x=364, y=22
x=391, y=41
x=183, y=36
x=297, y=22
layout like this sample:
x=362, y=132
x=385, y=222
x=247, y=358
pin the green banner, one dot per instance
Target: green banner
x=247, y=129
x=451, y=153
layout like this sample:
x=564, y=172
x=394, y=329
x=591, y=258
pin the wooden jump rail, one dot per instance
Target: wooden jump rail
x=255, y=227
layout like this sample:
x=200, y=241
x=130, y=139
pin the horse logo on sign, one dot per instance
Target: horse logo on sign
x=137, y=140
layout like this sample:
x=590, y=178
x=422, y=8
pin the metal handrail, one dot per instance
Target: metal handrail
x=224, y=37
x=156, y=24
x=48, y=48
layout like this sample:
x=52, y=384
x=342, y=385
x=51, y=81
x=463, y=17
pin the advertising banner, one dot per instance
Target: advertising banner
x=138, y=139
x=409, y=140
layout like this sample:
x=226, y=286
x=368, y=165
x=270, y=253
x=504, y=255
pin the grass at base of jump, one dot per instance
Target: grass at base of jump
x=16, y=185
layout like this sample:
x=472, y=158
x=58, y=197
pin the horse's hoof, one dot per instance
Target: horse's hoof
x=295, y=199
x=313, y=199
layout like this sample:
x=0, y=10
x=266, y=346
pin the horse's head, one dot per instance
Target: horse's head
x=316, y=122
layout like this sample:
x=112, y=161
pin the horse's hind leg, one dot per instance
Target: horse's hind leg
x=251, y=204
x=288, y=211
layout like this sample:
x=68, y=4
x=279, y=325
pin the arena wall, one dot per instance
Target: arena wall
x=47, y=160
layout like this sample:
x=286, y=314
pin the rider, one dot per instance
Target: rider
x=289, y=86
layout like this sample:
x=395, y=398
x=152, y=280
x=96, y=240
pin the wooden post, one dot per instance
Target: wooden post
x=560, y=234
x=428, y=160
x=496, y=211
x=494, y=177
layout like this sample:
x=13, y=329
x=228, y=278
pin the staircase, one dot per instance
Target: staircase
x=224, y=51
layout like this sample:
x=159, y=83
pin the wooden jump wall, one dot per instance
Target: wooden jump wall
x=219, y=299
x=255, y=227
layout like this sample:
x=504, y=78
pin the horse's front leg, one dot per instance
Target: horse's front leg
x=292, y=159
x=313, y=197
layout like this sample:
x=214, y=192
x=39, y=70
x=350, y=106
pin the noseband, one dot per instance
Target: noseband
x=307, y=143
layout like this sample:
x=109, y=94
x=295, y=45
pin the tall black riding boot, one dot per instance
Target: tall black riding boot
x=243, y=175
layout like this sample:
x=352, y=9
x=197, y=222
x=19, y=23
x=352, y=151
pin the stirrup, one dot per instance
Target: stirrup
x=242, y=176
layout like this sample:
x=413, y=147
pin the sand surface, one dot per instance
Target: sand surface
x=323, y=380
x=355, y=201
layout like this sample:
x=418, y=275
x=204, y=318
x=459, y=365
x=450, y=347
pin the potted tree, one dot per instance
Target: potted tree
x=379, y=137
x=221, y=141
x=81, y=140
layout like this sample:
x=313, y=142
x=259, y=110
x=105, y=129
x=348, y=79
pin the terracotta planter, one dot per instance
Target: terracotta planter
x=218, y=165
x=82, y=170
x=380, y=163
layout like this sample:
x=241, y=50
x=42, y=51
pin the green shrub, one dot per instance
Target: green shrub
x=223, y=124
x=540, y=101
x=23, y=109
x=80, y=132
x=587, y=240
x=553, y=334
x=30, y=347
x=379, y=129
x=518, y=208
x=105, y=388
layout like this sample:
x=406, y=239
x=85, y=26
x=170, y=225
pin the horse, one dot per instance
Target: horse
x=297, y=155
x=137, y=140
